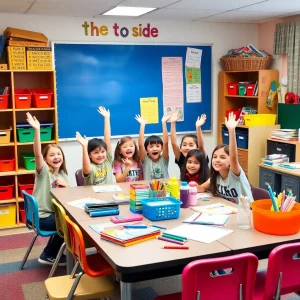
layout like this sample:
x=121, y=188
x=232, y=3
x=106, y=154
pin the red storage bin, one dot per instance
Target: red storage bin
x=6, y=192
x=42, y=98
x=7, y=164
x=22, y=213
x=4, y=101
x=233, y=88
x=23, y=98
x=237, y=113
x=27, y=188
x=250, y=89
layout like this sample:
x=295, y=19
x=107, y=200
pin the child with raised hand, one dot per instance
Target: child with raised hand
x=195, y=167
x=50, y=173
x=188, y=142
x=228, y=179
x=154, y=151
x=96, y=155
x=127, y=166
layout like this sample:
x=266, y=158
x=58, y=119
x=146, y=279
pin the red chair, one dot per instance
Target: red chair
x=282, y=276
x=199, y=283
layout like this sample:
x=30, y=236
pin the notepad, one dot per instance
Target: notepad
x=200, y=233
x=121, y=198
x=106, y=188
x=215, y=208
x=80, y=203
x=207, y=219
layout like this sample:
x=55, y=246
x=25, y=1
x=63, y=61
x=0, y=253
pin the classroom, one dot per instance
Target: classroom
x=129, y=93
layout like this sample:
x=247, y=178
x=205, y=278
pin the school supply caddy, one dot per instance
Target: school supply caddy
x=101, y=209
x=127, y=235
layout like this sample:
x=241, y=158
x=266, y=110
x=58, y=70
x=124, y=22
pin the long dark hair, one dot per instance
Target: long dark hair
x=203, y=171
x=213, y=173
x=118, y=156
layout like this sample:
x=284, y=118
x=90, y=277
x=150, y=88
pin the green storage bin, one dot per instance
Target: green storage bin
x=29, y=161
x=25, y=135
x=46, y=133
x=242, y=89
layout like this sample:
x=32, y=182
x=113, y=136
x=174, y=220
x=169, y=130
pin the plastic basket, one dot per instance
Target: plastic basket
x=4, y=101
x=5, y=134
x=7, y=164
x=260, y=119
x=275, y=222
x=46, y=133
x=23, y=98
x=156, y=209
x=25, y=135
x=29, y=161
x=6, y=192
x=28, y=188
x=42, y=98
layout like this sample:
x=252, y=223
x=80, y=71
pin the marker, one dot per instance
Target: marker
x=174, y=236
x=170, y=240
x=160, y=227
x=176, y=247
x=135, y=226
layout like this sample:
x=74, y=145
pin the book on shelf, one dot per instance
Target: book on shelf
x=274, y=162
x=290, y=166
x=285, y=134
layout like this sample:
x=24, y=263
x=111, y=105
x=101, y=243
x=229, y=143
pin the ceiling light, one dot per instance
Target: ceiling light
x=128, y=11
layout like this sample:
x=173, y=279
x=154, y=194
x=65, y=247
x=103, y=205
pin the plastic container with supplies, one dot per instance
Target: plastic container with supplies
x=250, y=89
x=242, y=138
x=5, y=134
x=192, y=193
x=6, y=192
x=42, y=98
x=8, y=214
x=233, y=88
x=23, y=98
x=173, y=187
x=260, y=119
x=242, y=89
x=29, y=161
x=46, y=131
x=157, y=209
x=184, y=194
x=275, y=222
x=7, y=164
x=4, y=101
x=25, y=133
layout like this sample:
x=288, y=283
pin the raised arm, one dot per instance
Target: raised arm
x=165, y=136
x=142, y=149
x=86, y=164
x=175, y=147
x=231, y=124
x=200, y=121
x=107, y=131
x=37, y=149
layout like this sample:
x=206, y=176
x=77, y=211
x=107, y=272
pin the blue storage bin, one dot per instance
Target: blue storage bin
x=242, y=139
x=157, y=209
x=225, y=136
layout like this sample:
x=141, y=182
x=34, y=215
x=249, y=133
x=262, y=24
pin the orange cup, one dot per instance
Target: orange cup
x=275, y=222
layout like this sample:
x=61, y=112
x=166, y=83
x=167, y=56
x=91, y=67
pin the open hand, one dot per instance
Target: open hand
x=127, y=162
x=201, y=120
x=230, y=122
x=33, y=121
x=165, y=118
x=141, y=120
x=82, y=140
x=105, y=113
x=175, y=116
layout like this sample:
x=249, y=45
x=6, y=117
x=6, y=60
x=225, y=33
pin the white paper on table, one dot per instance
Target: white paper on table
x=200, y=233
x=193, y=93
x=193, y=57
x=81, y=202
x=106, y=188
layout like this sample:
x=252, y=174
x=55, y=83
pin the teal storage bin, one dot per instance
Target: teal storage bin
x=46, y=133
x=25, y=135
x=29, y=161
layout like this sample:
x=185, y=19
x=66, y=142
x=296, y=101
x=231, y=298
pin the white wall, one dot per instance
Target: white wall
x=223, y=36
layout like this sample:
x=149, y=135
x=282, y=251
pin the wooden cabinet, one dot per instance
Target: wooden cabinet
x=249, y=158
x=12, y=116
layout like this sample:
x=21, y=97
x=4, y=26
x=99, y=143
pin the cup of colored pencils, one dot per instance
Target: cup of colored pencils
x=157, y=189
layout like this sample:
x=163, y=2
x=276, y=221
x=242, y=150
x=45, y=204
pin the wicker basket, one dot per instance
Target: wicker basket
x=245, y=63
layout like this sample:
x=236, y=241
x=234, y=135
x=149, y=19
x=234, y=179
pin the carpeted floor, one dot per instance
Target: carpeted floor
x=29, y=283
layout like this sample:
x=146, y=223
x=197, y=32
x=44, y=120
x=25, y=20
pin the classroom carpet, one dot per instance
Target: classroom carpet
x=29, y=283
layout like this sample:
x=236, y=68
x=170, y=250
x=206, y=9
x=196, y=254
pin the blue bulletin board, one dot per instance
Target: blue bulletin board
x=117, y=76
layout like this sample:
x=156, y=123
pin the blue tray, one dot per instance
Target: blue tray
x=26, y=125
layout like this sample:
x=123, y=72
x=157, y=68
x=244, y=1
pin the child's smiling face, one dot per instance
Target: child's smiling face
x=192, y=165
x=98, y=155
x=127, y=149
x=154, y=151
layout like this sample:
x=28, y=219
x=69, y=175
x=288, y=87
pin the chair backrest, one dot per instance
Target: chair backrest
x=197, y=277
x=259, y=194
x=31, y=212
x=61, y=224
x=284, y=259
x=79, y=178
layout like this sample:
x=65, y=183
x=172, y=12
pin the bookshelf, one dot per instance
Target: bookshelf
x=257, y=135
x=24, y=79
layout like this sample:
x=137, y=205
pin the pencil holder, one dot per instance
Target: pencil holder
x=275, y=222
x=158, y=194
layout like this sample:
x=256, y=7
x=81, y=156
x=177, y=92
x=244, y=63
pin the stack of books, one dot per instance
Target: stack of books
x=129, y=236
x=102, y=209
x=275, y=159
x=285, y=135
x=138, y=191
x=247, y=51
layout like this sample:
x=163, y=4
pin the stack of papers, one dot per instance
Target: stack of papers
x=106, y=188
x=207, y=219
x=216, y=208
x=121, y=198
x=285, y=134
x=204, y=196
x=80, y=203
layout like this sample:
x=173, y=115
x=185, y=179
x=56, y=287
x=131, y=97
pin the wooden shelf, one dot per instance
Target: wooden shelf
x=242, y=149
x=237, y=96
x=23, y=171
x=8, y=173
x=31, y=143
x=6, y=110
x=13, y=200
x=241, y=71
x=5, y=145
x=13, y=226
x=26, y=71
x=32, y=109
x=285, y=142
x=238, y=126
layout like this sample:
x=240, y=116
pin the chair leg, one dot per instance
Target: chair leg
x=74, y=286
x=28, y=252
x=57, y=259
x=74, y=270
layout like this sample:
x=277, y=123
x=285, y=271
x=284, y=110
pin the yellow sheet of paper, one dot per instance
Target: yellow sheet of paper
x=149, y=109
